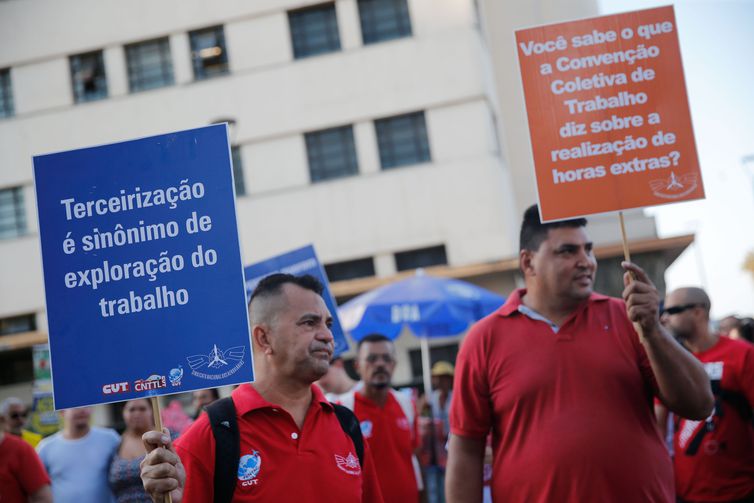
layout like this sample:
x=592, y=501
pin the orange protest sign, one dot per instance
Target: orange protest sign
x=608, y=114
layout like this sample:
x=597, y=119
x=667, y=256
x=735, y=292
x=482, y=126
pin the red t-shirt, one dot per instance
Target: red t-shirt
x=570, y=412
x=280, y=462
x=392, y=440
x=714, y=459
x=21, y=471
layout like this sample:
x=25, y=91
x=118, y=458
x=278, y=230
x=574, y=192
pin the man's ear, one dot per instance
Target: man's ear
x=260, y=334
x=525, y=262
x=356, y=364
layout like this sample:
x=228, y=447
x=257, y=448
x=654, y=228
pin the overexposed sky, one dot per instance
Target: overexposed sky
x=717, y=46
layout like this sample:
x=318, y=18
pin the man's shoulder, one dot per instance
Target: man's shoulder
x=47, y=442
x=199, y=432
x=105, y=433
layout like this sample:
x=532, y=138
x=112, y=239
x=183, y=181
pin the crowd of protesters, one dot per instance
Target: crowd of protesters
x=550, y=399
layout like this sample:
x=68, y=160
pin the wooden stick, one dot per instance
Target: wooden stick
x=627, y=258
x=158, y=427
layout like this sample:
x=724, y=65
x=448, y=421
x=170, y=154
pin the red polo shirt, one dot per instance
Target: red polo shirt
x=714, y=459
x=279, y=461
x=392, y=440
x=21, y=471
x=570, y=412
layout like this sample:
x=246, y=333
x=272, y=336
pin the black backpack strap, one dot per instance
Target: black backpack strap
x=351, y=426
x=222, y=419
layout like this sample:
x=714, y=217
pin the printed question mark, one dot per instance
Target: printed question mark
x=675, y=156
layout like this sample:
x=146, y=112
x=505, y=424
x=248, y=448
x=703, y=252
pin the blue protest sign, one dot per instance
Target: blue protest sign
x=142, y=268
x=298, y=262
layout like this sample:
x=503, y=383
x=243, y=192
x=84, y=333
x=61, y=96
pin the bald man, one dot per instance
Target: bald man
x=714, y=459
x=292, y=446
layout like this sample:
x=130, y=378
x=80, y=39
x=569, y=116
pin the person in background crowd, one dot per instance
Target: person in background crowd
x=22, y=477
x=337, y=381
x=725, y=325
x=77, y=459
x=714, y=458
x=16, y=413
x=442, y=394
x=744, y=331
x=202, y=398
x=293, y=447
x=564, y=382
x=124, y=474
x=387, y=418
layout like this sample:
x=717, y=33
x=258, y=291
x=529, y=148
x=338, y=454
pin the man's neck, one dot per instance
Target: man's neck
x=376, y=394
x=71, y=433
x=344, y=385
x=701, y=341
x=294, y=397
x=553, y=309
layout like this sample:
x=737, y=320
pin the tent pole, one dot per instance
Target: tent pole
x=426, y=367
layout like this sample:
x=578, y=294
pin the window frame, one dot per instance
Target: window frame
x=17, y=214
x=222, y=67
x=316, y=152
x=136, y=81
x=75, y=60
x=301, y=39
x=389, y=140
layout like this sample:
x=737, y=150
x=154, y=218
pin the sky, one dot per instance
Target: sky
x=717, y=42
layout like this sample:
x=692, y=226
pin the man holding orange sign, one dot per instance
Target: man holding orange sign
x=565, y=384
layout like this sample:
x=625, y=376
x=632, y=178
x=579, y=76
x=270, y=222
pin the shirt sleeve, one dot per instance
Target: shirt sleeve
x=470, y=409
x=196, y=448
x=370, y=488
x=33, y=475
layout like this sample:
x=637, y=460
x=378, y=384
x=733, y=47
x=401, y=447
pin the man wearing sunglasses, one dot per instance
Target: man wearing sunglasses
x=16, y=413
x=387, y=418
x=714, y=458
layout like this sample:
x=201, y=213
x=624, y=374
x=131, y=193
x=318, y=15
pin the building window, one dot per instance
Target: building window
x=149, y=65
x=12, y=213
x=350, y=269
x=18, y=324
x=331, y=153
x=88, y=77
x=235, y=153
x=424, y=257
x=208, y=53
x=6, y=94
x=402, y=140
x=384, y=20
x=314, y=30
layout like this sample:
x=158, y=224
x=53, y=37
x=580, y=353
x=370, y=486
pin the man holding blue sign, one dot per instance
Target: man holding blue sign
x=294, y=446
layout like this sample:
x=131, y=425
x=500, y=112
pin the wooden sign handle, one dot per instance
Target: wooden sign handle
x=158, y=427
x=627, y=258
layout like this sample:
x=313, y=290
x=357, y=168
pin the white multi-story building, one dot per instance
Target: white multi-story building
x=391, y=134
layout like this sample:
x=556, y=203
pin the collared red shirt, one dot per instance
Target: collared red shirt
x=280, y=462
x=570, y=412
x=392, y=439
x=714, y=459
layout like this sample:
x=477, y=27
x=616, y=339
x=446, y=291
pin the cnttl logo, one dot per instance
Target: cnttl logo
x=118, y=387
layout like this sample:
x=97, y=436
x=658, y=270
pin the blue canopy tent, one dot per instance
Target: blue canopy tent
x=425, y=305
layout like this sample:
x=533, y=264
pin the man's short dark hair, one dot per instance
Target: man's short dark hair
x=273, y=284
x=373, y=338
x=533, y=231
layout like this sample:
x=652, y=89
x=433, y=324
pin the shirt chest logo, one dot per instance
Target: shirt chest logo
x=402, y=423
x=714, y=370
x=349, y=464
x=366, y=428
x=248, y=468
